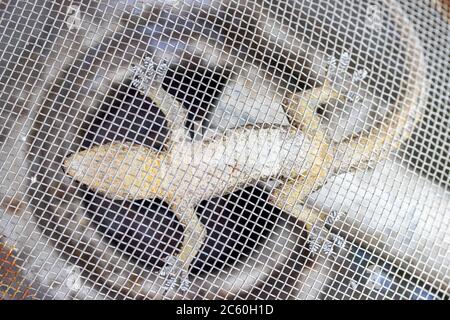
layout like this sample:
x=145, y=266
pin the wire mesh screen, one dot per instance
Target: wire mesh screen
x=235, y=149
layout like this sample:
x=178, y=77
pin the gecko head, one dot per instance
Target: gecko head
x=74, y=164
x=118, y=170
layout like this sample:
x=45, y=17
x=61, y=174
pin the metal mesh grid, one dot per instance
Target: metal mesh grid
x=224, y=149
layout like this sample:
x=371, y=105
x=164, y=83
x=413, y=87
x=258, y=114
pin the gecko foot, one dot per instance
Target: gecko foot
x=176, y=275
x=322, y=240
x=176, y=269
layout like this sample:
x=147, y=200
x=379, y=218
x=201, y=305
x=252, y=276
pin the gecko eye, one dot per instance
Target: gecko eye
x=320, y=110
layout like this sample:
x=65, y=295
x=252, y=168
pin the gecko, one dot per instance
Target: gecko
x=301, y=156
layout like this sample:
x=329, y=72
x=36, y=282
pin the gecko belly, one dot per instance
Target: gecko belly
x=196, y=170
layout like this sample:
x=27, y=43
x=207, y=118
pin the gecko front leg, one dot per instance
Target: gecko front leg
x=176, y=268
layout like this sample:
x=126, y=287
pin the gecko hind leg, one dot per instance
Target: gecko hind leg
x=302, y=114
x=319, y=225
x=176, y=268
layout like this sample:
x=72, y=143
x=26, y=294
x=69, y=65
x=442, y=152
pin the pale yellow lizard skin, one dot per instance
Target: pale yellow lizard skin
x=302, y=156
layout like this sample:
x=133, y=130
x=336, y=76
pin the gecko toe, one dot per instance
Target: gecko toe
x=176, y=276
x=322, y=240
